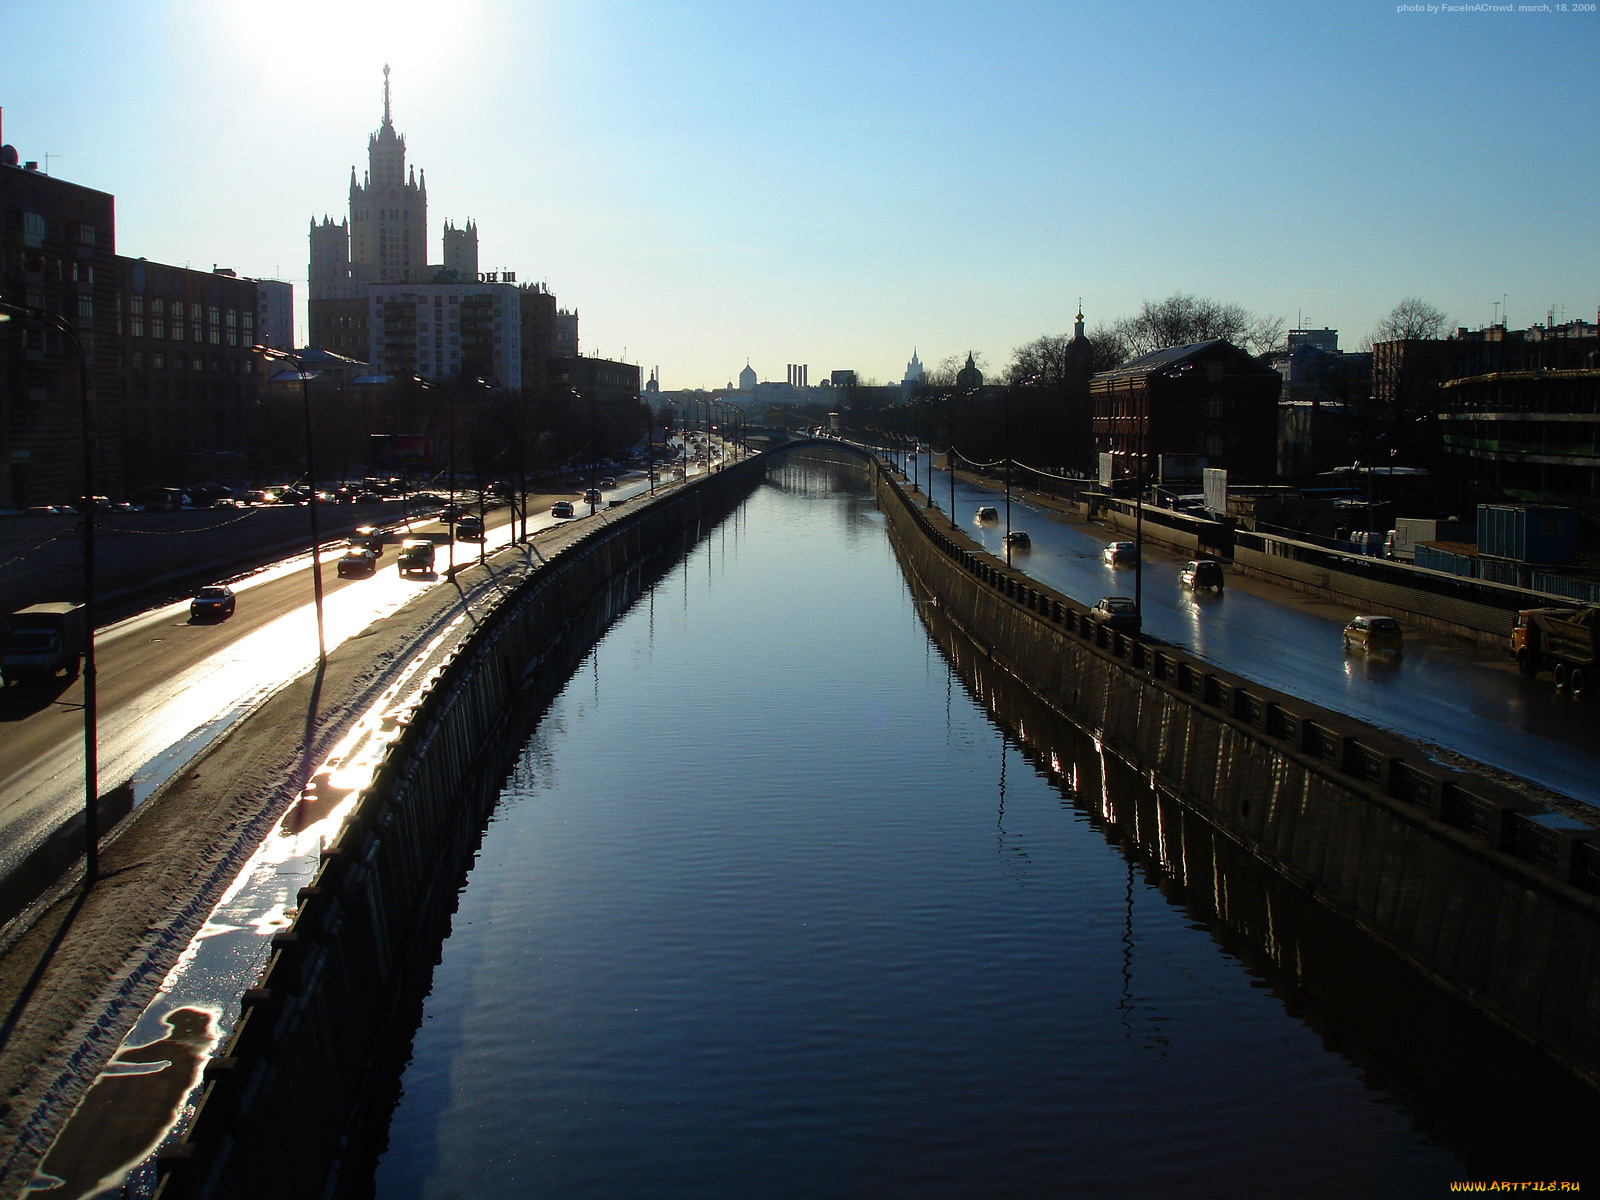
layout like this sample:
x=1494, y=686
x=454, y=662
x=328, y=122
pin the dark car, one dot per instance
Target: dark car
x=212, y=604
x=450, y=513
x=561, y=508
x=469, y=528
x=592, y=496
x=1201, y=574
x=1117, y=612
x=357, y=562
x=1018, y=539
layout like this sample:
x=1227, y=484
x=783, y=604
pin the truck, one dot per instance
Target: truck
x=1561, y=641
x=1409, y=532
x=44, y=639
x=416, y=557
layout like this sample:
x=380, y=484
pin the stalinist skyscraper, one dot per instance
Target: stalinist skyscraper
x=385, y=239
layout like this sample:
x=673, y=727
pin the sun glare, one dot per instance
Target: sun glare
x=312, y=44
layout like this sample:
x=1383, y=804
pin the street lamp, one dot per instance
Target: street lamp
x=311, y=488
x=91, y=759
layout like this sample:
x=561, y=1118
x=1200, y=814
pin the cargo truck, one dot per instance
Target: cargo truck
x=1409, y=532
x=44, y=639
x=1561, y=641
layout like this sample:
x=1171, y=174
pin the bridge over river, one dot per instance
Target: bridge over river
x=779, y=885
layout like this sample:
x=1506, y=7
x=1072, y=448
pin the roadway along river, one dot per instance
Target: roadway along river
x=168, y=685
x=1465, y=698
x=772, y=907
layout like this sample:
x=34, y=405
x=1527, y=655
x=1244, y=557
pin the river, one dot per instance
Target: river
x=790, y=895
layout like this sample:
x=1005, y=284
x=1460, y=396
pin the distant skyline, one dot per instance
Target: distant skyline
x=837, y=184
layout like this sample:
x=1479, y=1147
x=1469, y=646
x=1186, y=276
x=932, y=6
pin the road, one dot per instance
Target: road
x=169, y=686
x=1464, y=698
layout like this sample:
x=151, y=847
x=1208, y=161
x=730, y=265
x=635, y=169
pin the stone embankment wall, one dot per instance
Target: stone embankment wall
x=287, y=1103
x=1486, y=892
x=138, y=553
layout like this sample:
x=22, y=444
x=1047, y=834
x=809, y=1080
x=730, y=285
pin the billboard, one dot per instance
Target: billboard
x=1107, y=468
x=1216, y=490
x=401, y=450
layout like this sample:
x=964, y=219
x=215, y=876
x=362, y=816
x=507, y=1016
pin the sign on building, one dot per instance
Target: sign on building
x=1107, y=470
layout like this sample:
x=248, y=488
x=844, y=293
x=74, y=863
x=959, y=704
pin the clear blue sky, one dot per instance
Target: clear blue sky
x=835, y=183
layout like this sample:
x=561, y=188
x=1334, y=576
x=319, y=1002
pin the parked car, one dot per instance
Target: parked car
x=1375, y=635
x=1018, y=539
x=1201, y=574
x=561, y=508
x=357, y=562
x=212, y=603
x=987, y=513
x=1121, y=552
x=470, y=528
x=1117, y=612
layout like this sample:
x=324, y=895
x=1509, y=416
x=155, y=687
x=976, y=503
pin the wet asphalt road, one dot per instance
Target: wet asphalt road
x=1462, y=697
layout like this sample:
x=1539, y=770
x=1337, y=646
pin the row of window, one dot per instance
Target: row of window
x=36, y=230
x=161, y=361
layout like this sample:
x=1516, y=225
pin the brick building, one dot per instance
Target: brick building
x=57, y=253
x=1210, y=399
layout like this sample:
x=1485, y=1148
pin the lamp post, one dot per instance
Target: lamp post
x=1006, y=406
x=311, y=488
x=1142, y=415
x=91, y=749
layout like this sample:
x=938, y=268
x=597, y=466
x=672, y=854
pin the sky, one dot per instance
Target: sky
x=837, y=184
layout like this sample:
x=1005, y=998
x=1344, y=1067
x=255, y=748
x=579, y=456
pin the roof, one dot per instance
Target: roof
x=1172, y=359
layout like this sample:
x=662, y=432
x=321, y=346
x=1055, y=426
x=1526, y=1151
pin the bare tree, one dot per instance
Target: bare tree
x=1412, y=318
x=1182, y=320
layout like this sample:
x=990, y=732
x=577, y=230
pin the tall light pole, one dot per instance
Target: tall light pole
x=91, y=749
x=1006, y=408
x=311, y=488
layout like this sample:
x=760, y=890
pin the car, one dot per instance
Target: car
x=1121, y=552
x=357, y=561
x=1201, y=574
x=987, y=513
x=592, y=496
x=1018, y=539
x=45, y=510
x=1117, y=612
x=367, y=537
x=608, y=482
x=212, y=603
x=1375, y=635
x=561, y=508
x=470, y=528
x=416, y=557
x=450, y=512
x=368, y=498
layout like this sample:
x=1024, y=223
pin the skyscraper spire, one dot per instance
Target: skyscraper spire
x=386, y=119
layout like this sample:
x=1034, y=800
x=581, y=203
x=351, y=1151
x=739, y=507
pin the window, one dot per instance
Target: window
x=1214, y=372
x=86, y=306
x=34, y=228
x=158, y=361
x=85, y=234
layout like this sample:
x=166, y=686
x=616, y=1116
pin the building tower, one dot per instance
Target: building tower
x=388, y=211
x=461, y=250
x=330, y=260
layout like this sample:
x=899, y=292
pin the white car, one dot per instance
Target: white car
x=1121, y=552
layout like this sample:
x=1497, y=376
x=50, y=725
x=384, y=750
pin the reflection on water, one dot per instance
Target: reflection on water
x=772, y=905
